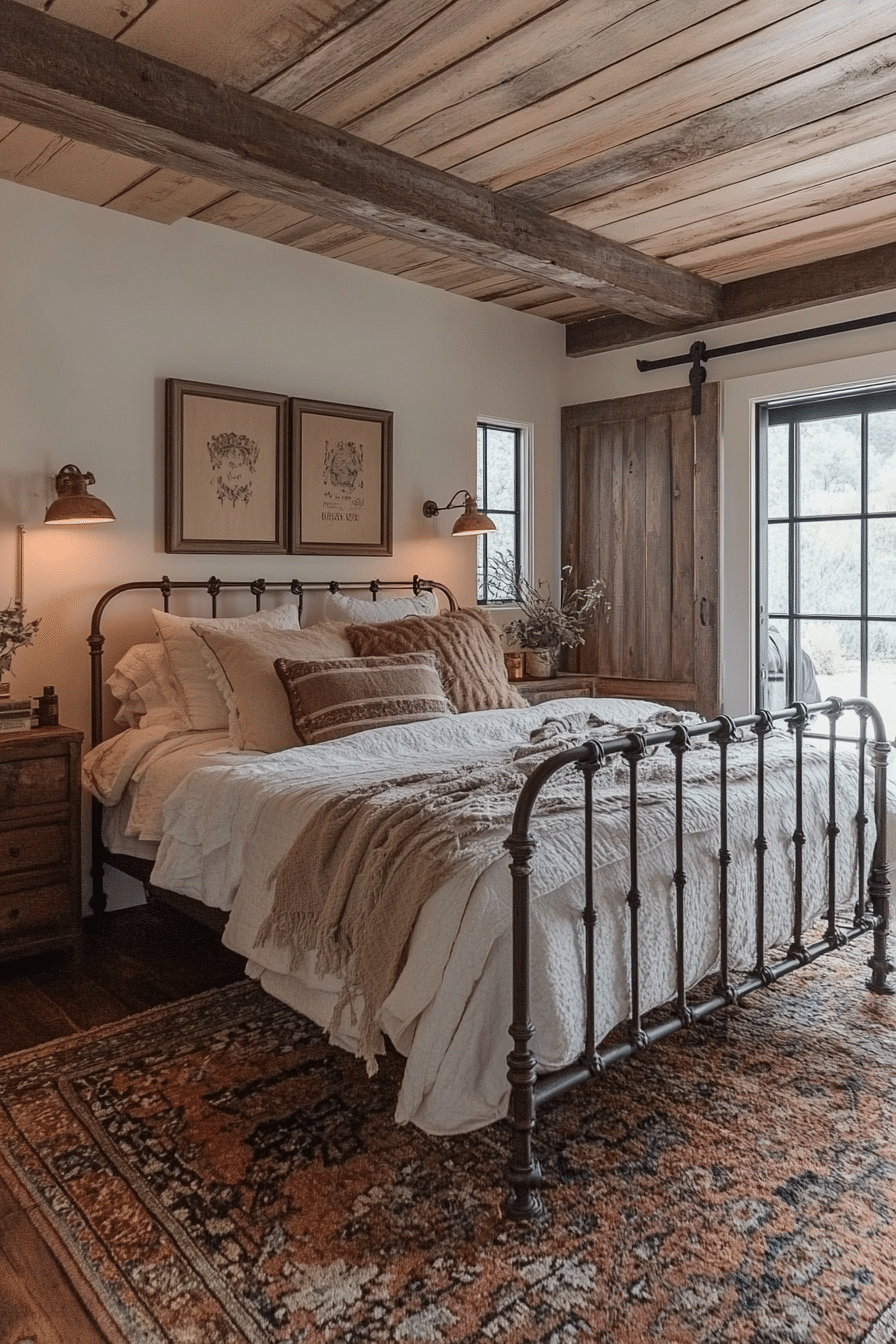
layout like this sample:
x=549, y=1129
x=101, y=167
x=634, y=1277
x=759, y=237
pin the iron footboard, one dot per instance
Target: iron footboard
x=871, y=913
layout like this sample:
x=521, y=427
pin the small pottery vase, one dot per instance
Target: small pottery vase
x=541, y=663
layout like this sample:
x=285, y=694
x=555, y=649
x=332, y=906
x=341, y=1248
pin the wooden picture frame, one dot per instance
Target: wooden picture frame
x=341, y=458
x=226, y=470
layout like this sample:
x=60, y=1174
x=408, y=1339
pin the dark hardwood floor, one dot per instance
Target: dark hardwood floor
x=131, y=960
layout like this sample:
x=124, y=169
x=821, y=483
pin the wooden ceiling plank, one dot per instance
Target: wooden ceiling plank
x=528, y=298
x=165, y=196
x=869, y=271
x=775, y=53
x=830, y=234
x=791, y=152
x=487, y=287
x=250, y=214
x=857, y=78
x=561, y=309
x=178, y=120
x=559, y=72
x=327, y=242
x=243, y=45
x=443, y=273
x=107, y=17
x=386, y=254
x=66, y=167
x=835, y=192
x=349, y=51
x=454, y=34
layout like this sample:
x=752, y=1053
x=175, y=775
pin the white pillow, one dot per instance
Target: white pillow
x=204, y=703
x=338, y=607
x=242, y=663
x=148, y=694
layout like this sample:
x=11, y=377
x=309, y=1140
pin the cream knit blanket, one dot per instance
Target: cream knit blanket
x=354, y=880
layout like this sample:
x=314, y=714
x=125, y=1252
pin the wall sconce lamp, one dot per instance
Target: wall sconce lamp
x=75, y=503
x=471, y=522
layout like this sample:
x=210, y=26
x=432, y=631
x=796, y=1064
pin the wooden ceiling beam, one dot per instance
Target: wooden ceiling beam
x=71, y=81
x=867, y=272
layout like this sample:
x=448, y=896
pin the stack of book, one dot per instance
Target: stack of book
x=15, y=715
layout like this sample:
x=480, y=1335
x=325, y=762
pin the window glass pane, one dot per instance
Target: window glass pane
x=778, y=471
x=882, y=461
x=501, y=465
x=882, y=566
x=777, y=567
x=500, y=542
x=830, y=568
x=882, y=671
x=830, y=465
x=831, y=653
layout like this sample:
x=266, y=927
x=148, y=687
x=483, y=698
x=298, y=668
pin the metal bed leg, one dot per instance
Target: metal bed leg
x=523, y=1202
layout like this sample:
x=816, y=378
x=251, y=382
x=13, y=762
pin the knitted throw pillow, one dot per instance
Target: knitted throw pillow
x=468, y=649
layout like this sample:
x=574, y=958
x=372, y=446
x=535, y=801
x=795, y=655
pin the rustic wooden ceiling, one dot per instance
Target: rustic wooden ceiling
x=750, y=143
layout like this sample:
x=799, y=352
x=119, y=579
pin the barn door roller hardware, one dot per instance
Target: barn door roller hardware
x=698, y=354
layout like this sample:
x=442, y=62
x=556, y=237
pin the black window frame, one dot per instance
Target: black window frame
x=794, y=412
x=483, y=427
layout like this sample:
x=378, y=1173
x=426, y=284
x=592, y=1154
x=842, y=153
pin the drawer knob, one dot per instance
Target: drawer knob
x=14, y=851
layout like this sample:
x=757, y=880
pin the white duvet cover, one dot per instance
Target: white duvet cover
x=230, y=822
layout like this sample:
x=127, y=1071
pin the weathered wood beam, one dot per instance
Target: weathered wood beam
x=868, y=272
x=65, y=79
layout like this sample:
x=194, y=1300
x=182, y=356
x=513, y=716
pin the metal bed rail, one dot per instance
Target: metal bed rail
x=871, y=914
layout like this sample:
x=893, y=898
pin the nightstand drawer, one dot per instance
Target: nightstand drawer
x=28, y=847
x=33, y=781
x=39, y=910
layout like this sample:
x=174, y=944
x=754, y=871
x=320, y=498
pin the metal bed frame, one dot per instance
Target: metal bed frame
x=529, y=1089
x=139, y=868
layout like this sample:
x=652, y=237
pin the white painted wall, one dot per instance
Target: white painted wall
x=816, y=365
x=97, y=309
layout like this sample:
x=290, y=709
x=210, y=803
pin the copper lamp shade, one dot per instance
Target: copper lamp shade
x=75, y=503
x=471, y=523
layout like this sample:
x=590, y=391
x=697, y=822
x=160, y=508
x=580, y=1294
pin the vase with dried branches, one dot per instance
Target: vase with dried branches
x=546, y=626
x=15, y=633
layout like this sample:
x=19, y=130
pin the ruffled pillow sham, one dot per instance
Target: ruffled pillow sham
x=143, y=684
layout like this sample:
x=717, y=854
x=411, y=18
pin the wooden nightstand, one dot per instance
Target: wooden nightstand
x=40, y=841
x=537, y=690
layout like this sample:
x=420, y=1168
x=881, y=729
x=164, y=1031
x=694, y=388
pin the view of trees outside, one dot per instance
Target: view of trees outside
x=827, y=517
x=497, y=490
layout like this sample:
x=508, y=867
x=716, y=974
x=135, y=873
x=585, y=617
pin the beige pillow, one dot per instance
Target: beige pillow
x=143, y=684
x=242, y=663
x=467, y=646
x=204, y=703
x=336, y=697
x=338, y=607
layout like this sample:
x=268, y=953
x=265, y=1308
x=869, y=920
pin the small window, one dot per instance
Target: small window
x=500, y=490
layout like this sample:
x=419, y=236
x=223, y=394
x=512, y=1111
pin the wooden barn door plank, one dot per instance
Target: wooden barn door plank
x=640, y=509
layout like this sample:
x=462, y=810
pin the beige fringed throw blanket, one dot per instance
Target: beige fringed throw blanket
x=353, y=882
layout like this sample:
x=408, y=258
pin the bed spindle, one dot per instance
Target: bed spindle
x=678, y=747
x=725, y=734
x=634, y=753
x=760, y=844
x=798, y=726
x=833, y=829
x=589, y=914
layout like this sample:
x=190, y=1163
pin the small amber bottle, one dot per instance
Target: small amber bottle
x=48, y=708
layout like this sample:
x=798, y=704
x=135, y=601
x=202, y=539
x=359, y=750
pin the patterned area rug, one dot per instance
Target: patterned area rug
x=220, y=1174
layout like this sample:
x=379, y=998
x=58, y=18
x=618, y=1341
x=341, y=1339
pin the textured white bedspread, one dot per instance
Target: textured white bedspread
x=229, y=823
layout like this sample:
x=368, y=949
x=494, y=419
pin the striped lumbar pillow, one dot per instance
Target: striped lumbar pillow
x=333, y=697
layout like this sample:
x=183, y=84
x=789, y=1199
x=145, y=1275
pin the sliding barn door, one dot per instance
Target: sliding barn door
x=640, y=509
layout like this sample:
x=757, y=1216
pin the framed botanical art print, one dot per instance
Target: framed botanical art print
x=342, y=479
x=226, y=470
